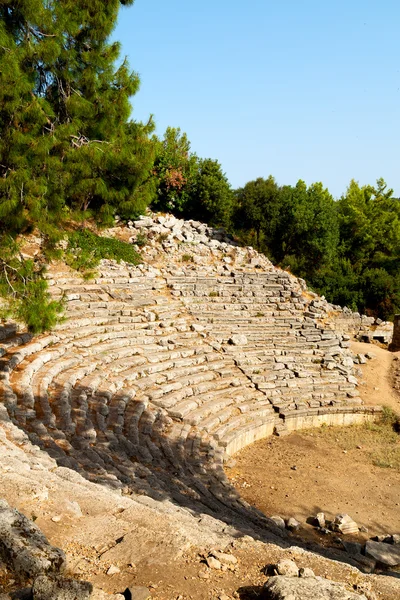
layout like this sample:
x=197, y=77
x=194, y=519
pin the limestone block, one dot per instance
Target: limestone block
x=386, y=554
x=307, y=588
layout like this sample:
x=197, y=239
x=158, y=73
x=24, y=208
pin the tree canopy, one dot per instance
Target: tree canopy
x=66, y=141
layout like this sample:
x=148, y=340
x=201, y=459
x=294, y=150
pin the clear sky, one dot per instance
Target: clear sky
x=300, y=89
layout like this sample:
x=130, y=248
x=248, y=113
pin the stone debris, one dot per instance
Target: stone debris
x=306, y=572
x=137, y=593
x=307, y=588
x=113, y=570
x=386, y=554
x=287, y=567
x=345, y=524
x=238, y=340
x=278, y=521
x=292, y=583
x=224, y=557
x=292, y=524
x=213, y=563
x=320, y=520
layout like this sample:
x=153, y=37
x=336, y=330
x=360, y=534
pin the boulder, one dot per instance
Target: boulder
x=60, y=588
x=287, y=567
x=278, y=521
x=24, y=548
x=386, y=554
x=307, y=588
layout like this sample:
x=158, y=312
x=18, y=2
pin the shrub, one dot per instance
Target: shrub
x=86, y=249
x=25, y=291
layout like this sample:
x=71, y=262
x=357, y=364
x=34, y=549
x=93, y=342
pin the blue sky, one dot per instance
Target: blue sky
x=300, y=89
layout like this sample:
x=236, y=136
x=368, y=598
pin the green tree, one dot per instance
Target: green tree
x=369, y=220
x=65, y=137
x=309, y=233
x=175, y=171
x=211, y=195
x=258, y=208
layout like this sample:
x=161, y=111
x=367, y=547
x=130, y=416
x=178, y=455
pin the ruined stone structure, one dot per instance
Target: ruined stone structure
x=161, y=372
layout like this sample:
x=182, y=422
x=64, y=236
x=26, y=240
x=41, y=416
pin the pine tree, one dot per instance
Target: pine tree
x=65, y=138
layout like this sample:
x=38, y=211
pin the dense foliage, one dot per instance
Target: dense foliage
x=348, y=249
x=65, y=138
x=187, y=185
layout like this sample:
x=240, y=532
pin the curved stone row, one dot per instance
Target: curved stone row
x=140, y=388
x=294, y=360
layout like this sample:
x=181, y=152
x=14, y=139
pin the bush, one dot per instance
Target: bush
x=26, y=292
x=86, y=249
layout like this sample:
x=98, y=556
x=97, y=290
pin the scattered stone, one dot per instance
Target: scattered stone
x=307, y=588
x=306, y=572
x=137, y=593
x=395, y=538
x=113, y=570
x=345, y=524
x=197, y=327
x=293, y=524
x=320, y=520
x=223, y=557
x=287, y=567
x=56, y=519
x=386, y=554
x=238, y=340
x=204, y=575
x=278, y=521
x=213, y=563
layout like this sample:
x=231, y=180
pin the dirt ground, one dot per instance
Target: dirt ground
x=332, y=471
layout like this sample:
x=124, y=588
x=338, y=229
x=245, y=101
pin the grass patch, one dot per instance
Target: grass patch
x=86, y=249
x=187, y=258
x=380, y=440
x=213, y=294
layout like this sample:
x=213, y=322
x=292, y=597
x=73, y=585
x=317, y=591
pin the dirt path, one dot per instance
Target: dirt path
x=376, y=379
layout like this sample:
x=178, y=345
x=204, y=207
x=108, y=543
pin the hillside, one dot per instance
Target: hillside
x=116, y=426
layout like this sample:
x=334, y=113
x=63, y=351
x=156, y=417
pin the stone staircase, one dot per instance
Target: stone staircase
x=153, y=380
